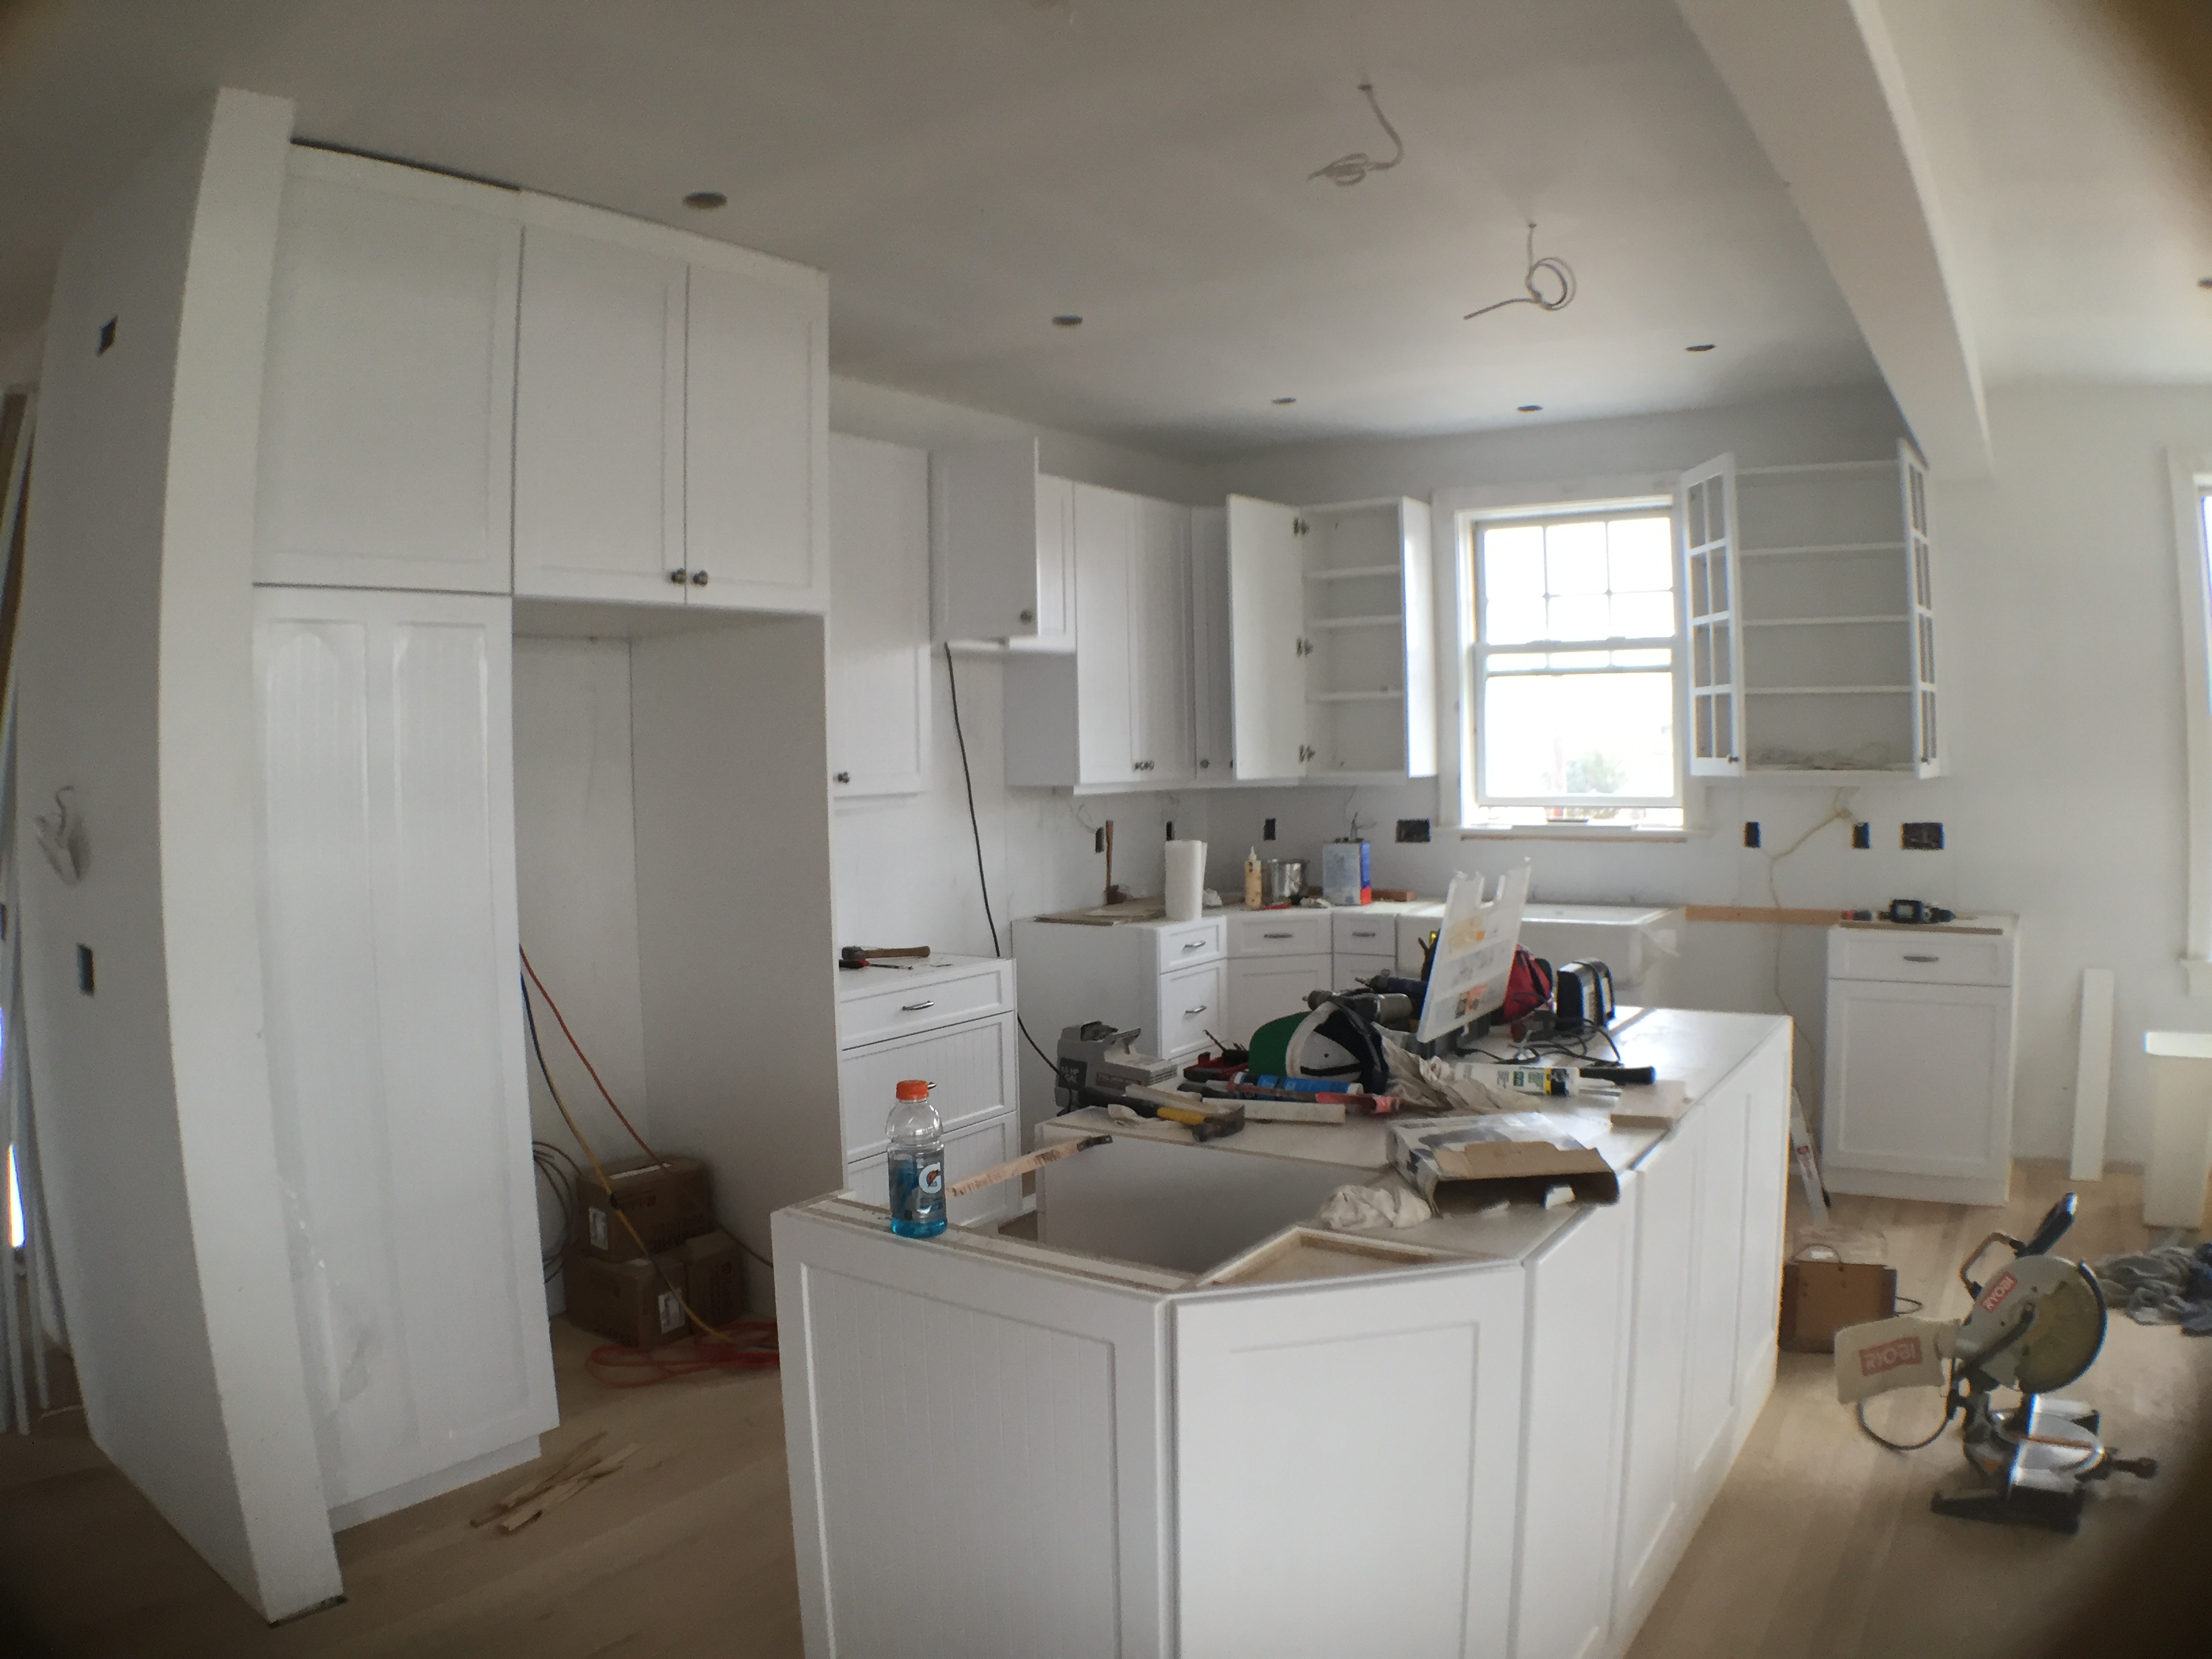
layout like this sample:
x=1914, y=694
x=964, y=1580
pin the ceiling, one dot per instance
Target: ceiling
x=966, y=169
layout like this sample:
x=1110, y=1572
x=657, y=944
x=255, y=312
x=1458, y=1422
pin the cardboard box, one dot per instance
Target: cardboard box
x=1820, y=1299
x=714, y=1277
x=1459, y=1163
x=631, y=1303
x=667, y=1202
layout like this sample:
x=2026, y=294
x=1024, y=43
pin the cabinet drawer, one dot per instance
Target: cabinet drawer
x=1351, y=966
x=969, y=1068
x=1189, y=942
x=1280, y=933
x=1927, y=957
x=928, y=1000
x=1363, y=932
x=1190, y=1002
x=969, y=1151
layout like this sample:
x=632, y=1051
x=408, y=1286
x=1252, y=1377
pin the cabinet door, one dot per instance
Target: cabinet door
x=1159, y=642
x=1105, y=709
x=1919, y=1078
x=599, y=421
x=1213, y=714
x=879, y=642
x=1261, y=988
x=395, y=1028
x=1765, y=1194
x=1912, y=483
x=756, y=441
x=1653, y=1507
x=1055, y=568
x=387, y=435
x=1704, y=516
x=1267, y=653
x=985, y=515
x=1717, y=1280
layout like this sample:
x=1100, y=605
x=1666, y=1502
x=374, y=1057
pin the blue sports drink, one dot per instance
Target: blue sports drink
x=916, y=1164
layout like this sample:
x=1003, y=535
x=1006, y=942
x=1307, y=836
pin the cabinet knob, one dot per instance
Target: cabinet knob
x=844, y=777
x=1203, y=764
x=1029, y=616
x=679, y=577
x=698, y=579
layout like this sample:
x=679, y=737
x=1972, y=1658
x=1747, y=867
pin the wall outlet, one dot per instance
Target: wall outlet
x=1863, y=835
x=107, y=337
x=1267, y=830
x=84, y=969
x=1098, y=840
x=1171, y=836
x=1921, y=837
x=1751, y=832
x=1413, y=829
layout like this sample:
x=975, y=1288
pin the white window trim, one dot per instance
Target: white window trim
x=1454, y=510
x=2191, y=473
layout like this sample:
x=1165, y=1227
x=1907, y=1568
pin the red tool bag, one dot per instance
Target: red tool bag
x=1527, y=987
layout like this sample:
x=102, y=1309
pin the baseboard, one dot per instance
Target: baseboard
x=1920, y=1188
x=436, y=1484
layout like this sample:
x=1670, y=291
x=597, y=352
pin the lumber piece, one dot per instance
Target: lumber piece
x=576, y=1457
x=555, y=1496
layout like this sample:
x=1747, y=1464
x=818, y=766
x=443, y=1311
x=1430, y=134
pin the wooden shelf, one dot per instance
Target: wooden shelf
x=1356, y=696
x=1823, y=690
x=1818, y=622
x=1388, y=620
x=1352, y=573
x=1817, y=550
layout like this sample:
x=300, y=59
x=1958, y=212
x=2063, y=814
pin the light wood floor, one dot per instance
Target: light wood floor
x=1820, y=1544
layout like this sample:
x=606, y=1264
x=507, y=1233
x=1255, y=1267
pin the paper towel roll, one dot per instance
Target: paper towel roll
x=1186, y=879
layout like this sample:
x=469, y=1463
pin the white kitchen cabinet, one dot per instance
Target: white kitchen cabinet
x=879, y=622
x=1708, y=1389
x=1213, y=701
x=1106, y=646
x=1706, y=516
x=1002, y=543
x=1261, y=988
x=1917, y=1102
x=1331, y=638
x=670, y=419
x=1159, y=641
x=395, y=1030
x=386, y=453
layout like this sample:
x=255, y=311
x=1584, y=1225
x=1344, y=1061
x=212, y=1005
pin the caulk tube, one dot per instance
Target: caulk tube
x=1536, y=1079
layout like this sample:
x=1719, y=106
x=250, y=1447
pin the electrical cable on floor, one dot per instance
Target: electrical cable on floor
x=975, y=829
x=1352, y=168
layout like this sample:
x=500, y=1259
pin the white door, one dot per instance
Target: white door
x=1919, y=1081
x=756, y=441
x=878, y=641
x=1267, y=647
x=1705, y=520
x=1261, y=988
x=1159, y=645
x=1213, y=713
x=1105, y=527
x=395, y=1026
x=387, y=435
x=1653, y=1500
x=598, y=421
x=1402, y=1400
x=1577, y=1372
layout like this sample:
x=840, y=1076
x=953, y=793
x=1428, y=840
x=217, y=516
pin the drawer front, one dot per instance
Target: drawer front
x=1189, y=942
x=1362, y=933
x=970, y=1067
x=1191, y=1004
x=1280, y=933
x=1353, y=966
x=931, y=1000
x=1925, y=957
x=969, y=1151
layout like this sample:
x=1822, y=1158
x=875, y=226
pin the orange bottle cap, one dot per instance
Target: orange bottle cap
x=913, y=1087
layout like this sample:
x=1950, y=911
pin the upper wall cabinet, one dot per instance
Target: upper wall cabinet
x=388, y=402
x=1002, y=548
x=1811, y=608
x=1330, y=637
x=879, y=669
x=672, y=429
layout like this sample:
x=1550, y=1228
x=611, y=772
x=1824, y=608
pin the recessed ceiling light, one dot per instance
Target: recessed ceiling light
x=706, y=201
x=1067, y=319
x=1529, y=409
x=1279, y=402
x=2205, y=282
x=1706, y=347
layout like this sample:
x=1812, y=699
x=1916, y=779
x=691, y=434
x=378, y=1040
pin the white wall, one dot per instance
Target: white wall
x=2060, y=659
x=136, y=689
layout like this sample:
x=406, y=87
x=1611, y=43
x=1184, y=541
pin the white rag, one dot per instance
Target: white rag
x=1394, y=1204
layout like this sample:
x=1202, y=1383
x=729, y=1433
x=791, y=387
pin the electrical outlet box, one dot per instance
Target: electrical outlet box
x=1751, y=832
x=1413, y=829
x=84, y=980
x=1170, y=835
x=1098, y=841
x=1267, y=830
x=1921, y=837
x=1863, y=835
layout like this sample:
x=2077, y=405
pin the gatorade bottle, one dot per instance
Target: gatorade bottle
x=917, y=1164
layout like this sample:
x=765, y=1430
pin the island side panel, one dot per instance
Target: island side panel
x=977, y=1449
x=1347, y=1465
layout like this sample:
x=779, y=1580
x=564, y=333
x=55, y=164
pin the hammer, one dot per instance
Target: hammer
x=859, y=955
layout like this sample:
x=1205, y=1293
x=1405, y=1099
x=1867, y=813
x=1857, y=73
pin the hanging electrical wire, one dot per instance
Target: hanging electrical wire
x=1351, y=169
x=1553, y=269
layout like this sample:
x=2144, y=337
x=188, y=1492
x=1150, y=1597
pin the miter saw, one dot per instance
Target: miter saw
x=2037, y=1325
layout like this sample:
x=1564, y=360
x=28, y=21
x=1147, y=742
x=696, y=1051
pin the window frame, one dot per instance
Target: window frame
x=1625, y=498
x=2192, y=475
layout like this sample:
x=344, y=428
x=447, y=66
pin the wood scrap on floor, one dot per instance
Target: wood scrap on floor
x=553, y=1496
x=576, y=1465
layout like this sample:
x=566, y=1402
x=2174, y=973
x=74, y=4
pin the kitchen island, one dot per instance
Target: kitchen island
x=1174, y=1424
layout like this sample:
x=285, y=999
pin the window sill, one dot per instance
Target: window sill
x=1540, y=832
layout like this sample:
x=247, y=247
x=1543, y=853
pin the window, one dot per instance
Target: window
x=1573, y=647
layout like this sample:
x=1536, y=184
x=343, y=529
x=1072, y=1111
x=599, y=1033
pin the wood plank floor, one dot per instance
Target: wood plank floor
x=1820, y=1545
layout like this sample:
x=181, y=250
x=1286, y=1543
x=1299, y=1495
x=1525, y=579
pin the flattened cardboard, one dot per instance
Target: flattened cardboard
x=1820, y=1299
x=1459, y=1163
